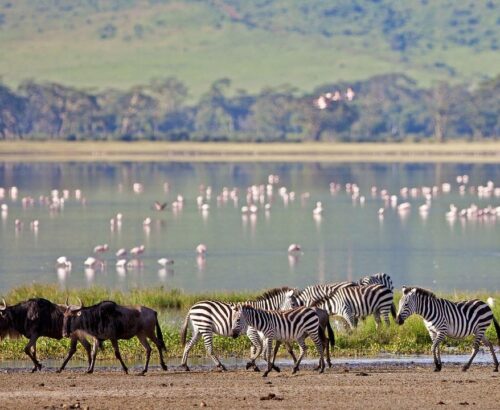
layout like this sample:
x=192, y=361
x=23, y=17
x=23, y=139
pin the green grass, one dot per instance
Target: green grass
x=366, y=340
x=198, y=43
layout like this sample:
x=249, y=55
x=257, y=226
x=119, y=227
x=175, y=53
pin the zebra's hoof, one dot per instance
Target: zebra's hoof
x=265, y=374
x=256, y=369
x=495, y=369
x=437, y=369
x=295, y=370
x=164, y=367
x=330, y=364
x=276, y=368
x=222, y=367
x=250, y=365
x=465, y=368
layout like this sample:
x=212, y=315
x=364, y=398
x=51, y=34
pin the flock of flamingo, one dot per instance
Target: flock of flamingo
x=255, y=198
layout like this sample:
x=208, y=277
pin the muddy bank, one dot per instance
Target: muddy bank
x=381, y=386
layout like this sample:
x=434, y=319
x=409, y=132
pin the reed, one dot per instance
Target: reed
x=172, y=305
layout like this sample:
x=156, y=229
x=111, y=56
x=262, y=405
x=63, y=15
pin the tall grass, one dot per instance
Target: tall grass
x=411, y=338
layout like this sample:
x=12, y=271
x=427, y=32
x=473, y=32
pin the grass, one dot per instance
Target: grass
x=411, y=338
x=229, y=152
x=198, y=43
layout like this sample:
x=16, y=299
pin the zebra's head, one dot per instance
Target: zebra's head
x=238, y=323
x=407, y=304
x=290, y=301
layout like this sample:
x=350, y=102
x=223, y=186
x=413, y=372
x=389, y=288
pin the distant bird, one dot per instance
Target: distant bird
x=137, y=250
x=201, y=249
x=294, y=247
x=101, y=248
x=146, y=221
x=121, y=252
x=63, y=262
x=160, y=206
x=319, y=208
x=91, y=262
x=121, y=263
x=165, y=261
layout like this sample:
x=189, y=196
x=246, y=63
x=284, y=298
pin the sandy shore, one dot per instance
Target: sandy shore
x=381, y=386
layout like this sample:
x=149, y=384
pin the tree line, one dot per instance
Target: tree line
x=389, y=107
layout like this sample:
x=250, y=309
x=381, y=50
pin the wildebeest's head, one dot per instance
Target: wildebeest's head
x=70, y=314
x=4, y=321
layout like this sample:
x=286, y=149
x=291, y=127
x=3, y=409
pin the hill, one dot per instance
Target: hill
x=120, y=43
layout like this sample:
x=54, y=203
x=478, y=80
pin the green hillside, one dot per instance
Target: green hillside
x=119, y=43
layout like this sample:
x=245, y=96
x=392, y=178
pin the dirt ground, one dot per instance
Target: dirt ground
x=381, y=386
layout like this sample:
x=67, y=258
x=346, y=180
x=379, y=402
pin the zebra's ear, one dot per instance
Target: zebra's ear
x=290, y=292
x=406, y=290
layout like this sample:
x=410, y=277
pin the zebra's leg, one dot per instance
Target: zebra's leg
x=385, y=315
x=318, y=339
x=492, y=350
x=275, y=352
x=439, y=337
x=475, y=349
x=378, y=322
x=191, y=343
x=303, y=349
x=268, y=356
x=208, y=339
x=289, y=349
x=255, y=349
x=323, y=338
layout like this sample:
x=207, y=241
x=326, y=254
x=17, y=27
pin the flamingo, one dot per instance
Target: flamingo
x=201, y=249
x=101, y=248
x=63, y=262
x=137, y=250
x=121, y=252
x=160, y=206
x=294, y=247
x=165, y=261
x=319, y=209
x=91, y=262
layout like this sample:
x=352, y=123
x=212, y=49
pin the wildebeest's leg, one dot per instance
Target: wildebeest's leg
x=94, y=355
x=86, y=345
x=191, y=343
x=146, y=345
x=32, y=354
x=303, y=349
x=71, y=352
x=160, y=350
x=475, y=349
x=114, y=343
x=490, y=345
x=207, y=338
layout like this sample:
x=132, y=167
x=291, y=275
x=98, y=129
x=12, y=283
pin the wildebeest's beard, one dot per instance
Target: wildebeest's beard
x=6, y=329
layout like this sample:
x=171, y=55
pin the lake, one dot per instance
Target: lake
x=248, y=251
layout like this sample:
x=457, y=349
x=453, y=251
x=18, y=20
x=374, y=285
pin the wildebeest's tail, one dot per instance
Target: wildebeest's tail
x=331, y=335
x=184, y=330
x=497, y=328
x=393, y=310
x=159, y=335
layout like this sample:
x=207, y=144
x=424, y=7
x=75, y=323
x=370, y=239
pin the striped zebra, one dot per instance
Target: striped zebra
x=354, y=302
x=295, y=324
x=311, y=294
x=210, y=316
x=443, y=318
x=380, y=278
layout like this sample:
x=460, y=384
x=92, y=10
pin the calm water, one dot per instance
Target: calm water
x=247, y=251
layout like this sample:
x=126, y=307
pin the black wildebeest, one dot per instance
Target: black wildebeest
x=109, y=321
x=35, y=318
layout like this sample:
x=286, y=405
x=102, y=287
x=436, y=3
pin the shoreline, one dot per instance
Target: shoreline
x=89, y=151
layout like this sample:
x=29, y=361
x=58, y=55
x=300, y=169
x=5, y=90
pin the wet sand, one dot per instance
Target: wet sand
x=381, y=386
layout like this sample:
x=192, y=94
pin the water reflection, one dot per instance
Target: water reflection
x=422, y=223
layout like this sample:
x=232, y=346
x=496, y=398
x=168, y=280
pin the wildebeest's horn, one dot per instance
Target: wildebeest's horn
x=67, y=300
x=80, y=302
x=4, y=304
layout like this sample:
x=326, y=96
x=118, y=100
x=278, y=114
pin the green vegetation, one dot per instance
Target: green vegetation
x=411, y=338
x=121, y=43
x=389, y=108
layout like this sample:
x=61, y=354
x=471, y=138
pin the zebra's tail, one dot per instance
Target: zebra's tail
x=331, y=335
x=393, y=310
x=159, y=335
x=184, y=330
x=497, y=328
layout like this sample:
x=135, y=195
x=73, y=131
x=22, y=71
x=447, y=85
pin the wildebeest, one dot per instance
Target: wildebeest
x=35, y=318
x=109, y=321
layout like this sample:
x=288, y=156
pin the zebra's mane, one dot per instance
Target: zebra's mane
x=425, y=292
x=274, y=292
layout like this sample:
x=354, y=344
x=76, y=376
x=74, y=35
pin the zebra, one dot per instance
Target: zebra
x=353, y=302
x=380, y=278
x=210, y=316
x=443, y=318
x=311, y=294
x=295, y=324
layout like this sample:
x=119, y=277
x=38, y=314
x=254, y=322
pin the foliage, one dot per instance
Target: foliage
x=411, y=338
x=384, y=108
